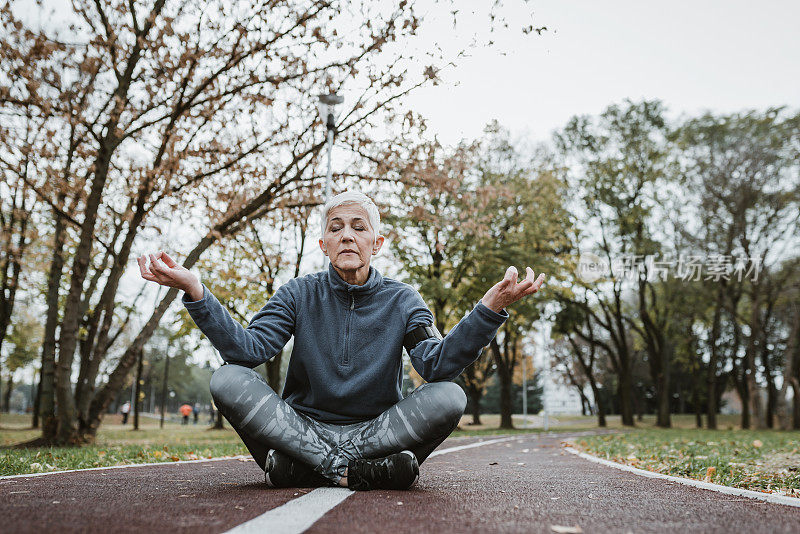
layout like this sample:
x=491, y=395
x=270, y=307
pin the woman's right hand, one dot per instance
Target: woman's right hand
x=165, y=271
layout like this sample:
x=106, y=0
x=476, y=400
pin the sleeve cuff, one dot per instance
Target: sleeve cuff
x=490, y=314
x=195, y=304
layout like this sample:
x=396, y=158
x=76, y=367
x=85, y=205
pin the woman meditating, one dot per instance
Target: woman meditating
x=342, y=419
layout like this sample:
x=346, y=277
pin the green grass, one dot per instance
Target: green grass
x=115, y=445
x=767, y=461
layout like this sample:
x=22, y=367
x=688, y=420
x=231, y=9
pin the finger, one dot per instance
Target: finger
x=151, y=278
x=536, y=285
x=169, y=262
x=528, y=281
x=142, y=261
x=144, y=271
x=523, y=286
x=510, y=277
x=155, y=265
x=529, y=274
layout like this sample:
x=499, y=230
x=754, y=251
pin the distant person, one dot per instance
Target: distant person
x=341, y=419
x=186, y=411
x=126, y=409
x=196, y=411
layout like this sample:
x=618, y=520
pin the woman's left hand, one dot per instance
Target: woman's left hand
x=508, y=291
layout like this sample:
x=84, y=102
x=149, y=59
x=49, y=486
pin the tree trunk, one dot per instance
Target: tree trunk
x=753, y=391
x=663, y=399
x=506, y=420
x=772, y=392
x=625, y=393
x=742, y=390
x=164, y=391
x=698, y=411
x=505, y=377
x=137, y=389
x=663, y=411
x=475, y=395
x=13, y=260
x=598, y=401
x=795, y=403
x=219, y=424
x=7, y=392
x=47, y=384
x=713, y=363
x=789, y=369
x=36, y=403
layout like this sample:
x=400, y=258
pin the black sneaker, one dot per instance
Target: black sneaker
x=395, y=472
x=283, y=471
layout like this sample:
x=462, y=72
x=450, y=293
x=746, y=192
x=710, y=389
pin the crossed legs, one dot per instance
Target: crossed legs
x=418, y=423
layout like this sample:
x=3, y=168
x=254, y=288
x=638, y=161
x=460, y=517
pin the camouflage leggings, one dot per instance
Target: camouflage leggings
x=419, y=423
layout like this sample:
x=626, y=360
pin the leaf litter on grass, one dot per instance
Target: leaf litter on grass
x=757, y=460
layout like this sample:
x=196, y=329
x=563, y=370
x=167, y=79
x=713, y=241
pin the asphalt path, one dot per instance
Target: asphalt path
x=525, y=484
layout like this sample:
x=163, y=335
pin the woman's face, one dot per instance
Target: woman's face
x=350, y=241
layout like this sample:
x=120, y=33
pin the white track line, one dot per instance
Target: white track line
x=470, y=446
x=299, y=514
x=775, y=499
x=296, y=515
x=242, y=457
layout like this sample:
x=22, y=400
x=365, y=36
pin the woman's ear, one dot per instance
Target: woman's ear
x=376, y=247
x=322, y=247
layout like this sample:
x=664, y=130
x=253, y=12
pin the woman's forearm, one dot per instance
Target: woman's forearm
x=195, y=291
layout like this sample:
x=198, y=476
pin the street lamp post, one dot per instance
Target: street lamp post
x=524, y=392
x=546, y=373
x=327, y=110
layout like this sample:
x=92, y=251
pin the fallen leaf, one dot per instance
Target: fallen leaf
x=710, y=472
x=757, y=443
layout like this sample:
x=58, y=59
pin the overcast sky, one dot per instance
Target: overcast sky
x=723, y=55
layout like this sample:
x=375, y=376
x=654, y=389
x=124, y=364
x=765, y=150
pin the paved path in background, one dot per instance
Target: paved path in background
x=527, y=484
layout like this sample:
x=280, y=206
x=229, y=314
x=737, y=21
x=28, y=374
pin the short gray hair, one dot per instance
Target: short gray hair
x=353, y=197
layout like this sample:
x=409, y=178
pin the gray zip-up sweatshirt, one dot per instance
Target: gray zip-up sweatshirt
x=346, y=364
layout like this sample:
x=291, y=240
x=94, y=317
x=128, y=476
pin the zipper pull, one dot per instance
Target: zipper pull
x=352, y=302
